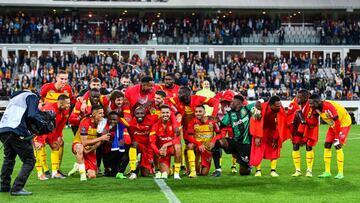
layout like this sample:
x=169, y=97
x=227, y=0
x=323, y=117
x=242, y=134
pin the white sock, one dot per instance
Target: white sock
x=82, y=168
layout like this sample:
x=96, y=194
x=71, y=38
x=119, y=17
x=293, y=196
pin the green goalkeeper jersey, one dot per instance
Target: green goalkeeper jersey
x=240, y=122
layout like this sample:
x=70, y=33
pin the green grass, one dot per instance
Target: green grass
x=228, y=188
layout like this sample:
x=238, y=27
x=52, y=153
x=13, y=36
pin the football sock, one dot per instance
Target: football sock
x=54, y=161
x=61, y=153
x=42, y=151
x=296, y=159
x=82, y=168
x=233, y=162
x=38, y=164
x=273, y=164
x=340, y=160
x=183, y=161
x=177, y=168
x=191, y=158
x=132, y=158
x=327, y=159
x=309, y=159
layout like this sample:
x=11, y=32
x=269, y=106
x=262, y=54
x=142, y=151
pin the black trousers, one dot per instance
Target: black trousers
x=14, y=146
x=116, y=161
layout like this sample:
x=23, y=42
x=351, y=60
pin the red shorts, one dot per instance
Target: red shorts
x=90, y=161
x=166, y=159
x=299, y=139
x=147, y=156
x=206, y=158
x=330, y=135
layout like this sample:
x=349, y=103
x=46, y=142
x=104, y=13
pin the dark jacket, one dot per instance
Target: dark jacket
x=31, y=115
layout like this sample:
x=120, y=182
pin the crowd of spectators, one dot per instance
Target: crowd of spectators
x=340, y=32
x=22, y=28
x=253, y=78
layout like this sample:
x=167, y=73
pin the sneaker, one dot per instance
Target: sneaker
x=61, y=173
x=57, y=176
x=233, y=170
x=42, y=177
x=83, y=177
x=192, y=174
x=177, y=176
x=47, y=174
x=308, y=173
x=74, y=169
x=21, y=192
x=158, y=175
x=258, y=173
x=274, y=174
x=339, y=176
x=164, y=175
x=120, y=176
x=297, y=173
x=325, y=175
x=216, y=173
x=132, y=176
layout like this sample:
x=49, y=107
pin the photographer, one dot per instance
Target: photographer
x=21, y=120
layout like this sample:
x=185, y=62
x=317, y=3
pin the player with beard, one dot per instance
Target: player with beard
x=77, y=114
x=166, y=143
x=339, y=120
x=170, y=88
x=139, y=130
x=185, y=105
x=201, y=139
x=118, y=104
x=86, y=141
x=54, y=139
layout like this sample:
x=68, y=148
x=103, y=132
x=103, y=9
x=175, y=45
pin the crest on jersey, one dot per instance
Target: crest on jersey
x=83, y=130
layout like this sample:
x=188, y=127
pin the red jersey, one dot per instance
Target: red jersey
x=310, y=129
x=140, y=132
x=76, y=115
x=50, y=94
x=335, y=115
x=135, y=96
x=86, y=128
x=203, y=132
x=61, y=117
x=160, y=134
x=188, y=111
x=170, y=92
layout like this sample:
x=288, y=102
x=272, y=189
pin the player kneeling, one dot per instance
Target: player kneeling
x=201, y=138
x=85, y=143
x=166, y=143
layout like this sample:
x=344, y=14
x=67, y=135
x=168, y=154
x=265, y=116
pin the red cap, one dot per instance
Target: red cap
x=228, y=96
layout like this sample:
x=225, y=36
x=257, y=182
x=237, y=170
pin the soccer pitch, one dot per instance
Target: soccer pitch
x=228, y=188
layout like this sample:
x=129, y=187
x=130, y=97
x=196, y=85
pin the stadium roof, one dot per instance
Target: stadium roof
x=348, y=5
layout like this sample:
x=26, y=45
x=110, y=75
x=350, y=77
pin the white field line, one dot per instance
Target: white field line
x=169, y=194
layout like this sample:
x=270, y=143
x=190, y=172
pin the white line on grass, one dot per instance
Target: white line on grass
x=167, y=191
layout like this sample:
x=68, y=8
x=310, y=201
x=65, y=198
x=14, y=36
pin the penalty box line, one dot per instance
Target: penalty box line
x=169, y=194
